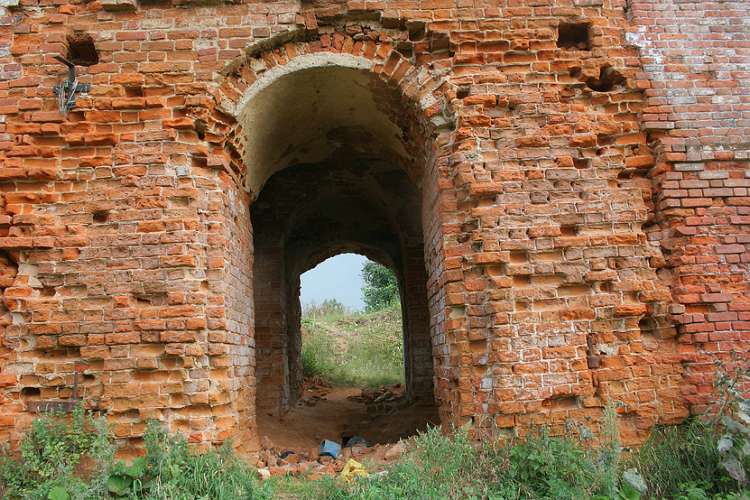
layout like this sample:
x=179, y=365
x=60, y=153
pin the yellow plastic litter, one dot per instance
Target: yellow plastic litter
x=351, y=470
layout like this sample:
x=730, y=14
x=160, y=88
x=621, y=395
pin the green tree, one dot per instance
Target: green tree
x=380, y=288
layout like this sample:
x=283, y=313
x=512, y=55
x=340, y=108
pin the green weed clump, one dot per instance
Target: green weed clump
x=49, y=464
x=681, y=462
x=357, y=349
x=442, y=467
x=64, y=459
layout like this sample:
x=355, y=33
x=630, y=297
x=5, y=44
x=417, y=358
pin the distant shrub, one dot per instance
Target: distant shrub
x=379, y=288
x=328, y=308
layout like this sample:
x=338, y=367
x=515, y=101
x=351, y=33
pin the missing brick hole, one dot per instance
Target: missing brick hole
x=133, y=92
x=48, y=291
x=406, y=49
x=574, y=36
x=563, y=402
x=462, y=92
x=581, y=163
x=200, y=129
x=81, y=49
x=31, y=392
x=417, y=30
x=517, y=256
x=609, y=78
x=150, y=299
x=101, y=216
x=76, y=116
x=575, y=71
x=521, y=280
x=88, y=377
x=647, y=325
x=568, y=230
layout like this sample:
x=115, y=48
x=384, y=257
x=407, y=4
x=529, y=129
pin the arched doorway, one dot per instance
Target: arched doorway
x=345, y=138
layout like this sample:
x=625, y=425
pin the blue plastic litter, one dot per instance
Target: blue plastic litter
x=329, y=448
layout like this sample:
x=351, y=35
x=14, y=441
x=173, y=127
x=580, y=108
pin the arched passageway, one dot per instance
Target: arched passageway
x=308, y=213
x=331, y=153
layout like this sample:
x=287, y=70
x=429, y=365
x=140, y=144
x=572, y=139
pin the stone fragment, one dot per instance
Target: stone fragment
x=118, y=5
x=395, y=451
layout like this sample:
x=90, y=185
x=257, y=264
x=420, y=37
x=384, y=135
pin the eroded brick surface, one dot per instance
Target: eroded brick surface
x=583, y=202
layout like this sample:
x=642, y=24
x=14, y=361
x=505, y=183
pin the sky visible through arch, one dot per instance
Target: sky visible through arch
x=339, y=277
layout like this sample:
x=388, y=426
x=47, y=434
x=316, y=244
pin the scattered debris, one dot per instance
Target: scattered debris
x=329, y=448
x=352, y=417
x=351, y=470
x=395, y=451
x=351, y=442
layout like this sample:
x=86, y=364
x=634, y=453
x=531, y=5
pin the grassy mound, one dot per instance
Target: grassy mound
x=353, y=349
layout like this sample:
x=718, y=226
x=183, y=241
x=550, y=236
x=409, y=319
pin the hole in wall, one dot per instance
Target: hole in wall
x=133, y=92
x=581, y=163
x=649, y=333
x=48, y=291
x=81, y=49
x=609, y=78
x=462, y=92
x=101, y=216
x=647, y=325
x=31, y=392
x=518, y=256
x=417, y=30
x=568, y=230
x=200, y=128
x=562, y=402
x=521, y=280
x=406, y=49
x=574, y=36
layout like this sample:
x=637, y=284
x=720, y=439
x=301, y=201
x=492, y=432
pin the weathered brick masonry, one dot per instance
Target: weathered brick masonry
x=561, y=186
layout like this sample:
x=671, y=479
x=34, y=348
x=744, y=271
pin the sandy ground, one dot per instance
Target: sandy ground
x=332, y=413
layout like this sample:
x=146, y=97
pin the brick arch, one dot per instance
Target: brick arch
x=426, y=100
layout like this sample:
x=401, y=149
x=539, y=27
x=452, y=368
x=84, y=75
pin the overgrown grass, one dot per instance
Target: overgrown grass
x=357, y=349
x=677, y=458
x=677, y=463
x=541, y=467
x=63, y=459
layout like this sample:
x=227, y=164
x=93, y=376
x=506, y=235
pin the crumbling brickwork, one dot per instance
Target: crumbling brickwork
x=572, y=202
x=696, y=60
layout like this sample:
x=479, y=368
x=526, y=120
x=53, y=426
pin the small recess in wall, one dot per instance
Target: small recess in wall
x=574, y=36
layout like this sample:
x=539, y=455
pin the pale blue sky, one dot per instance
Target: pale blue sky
x=339, y=278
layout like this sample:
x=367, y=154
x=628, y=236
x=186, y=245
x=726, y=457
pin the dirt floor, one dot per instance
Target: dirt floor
x=336, y=413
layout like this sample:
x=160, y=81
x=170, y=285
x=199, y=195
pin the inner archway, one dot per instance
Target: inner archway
x=354, y=373
x=308, y=213
x=352, y=327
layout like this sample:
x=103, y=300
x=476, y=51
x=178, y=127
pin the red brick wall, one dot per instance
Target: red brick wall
x=581, y=242
x=696, y=69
